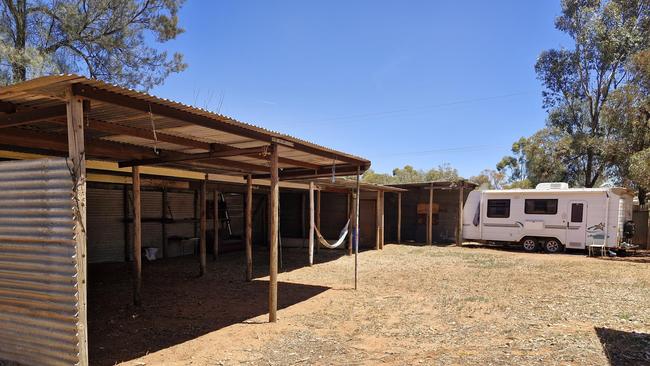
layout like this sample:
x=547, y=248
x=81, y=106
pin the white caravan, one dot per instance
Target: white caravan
x=551, y=217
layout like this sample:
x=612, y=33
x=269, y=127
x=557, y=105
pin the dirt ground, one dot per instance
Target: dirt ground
x=415, y=305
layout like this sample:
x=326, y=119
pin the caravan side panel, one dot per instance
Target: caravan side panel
x=472, y=216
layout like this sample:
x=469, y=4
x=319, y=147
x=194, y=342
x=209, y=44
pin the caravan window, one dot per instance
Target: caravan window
x=541, y=207
x=576, y=212
x=498, y=208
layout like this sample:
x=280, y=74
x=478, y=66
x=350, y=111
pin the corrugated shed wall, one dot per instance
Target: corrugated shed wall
x=390, y=217
x=235, y=203
x=367, y=222
x=180, y=207
x=414, y=225
x=105, y=220
x=333, y=214
x=290, y=214
x=38, y=266
x=151, y=201
x=260, y=236
x=152, y=231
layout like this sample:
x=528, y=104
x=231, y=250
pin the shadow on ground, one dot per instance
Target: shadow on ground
x=625, y=348
x=517, y=248
x=635, y=256
x=177, y=305
x=295, y=258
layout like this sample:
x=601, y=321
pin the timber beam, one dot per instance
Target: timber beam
x=114, y=128
x=323, y=171
x=175, y=158
x=115, y=150
x=6, y=107
x=224, y=125
x=25, y=117
x=118, y=130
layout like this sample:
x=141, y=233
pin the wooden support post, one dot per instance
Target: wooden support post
x=351, y=225
x=378, y=221
x=268, y=219
x=197, y=212
x=399, y=217
x=356, y=228
x=249, y=228
x=216, y=223
x=77, y=154
x=311, y=223
x=125, y=216
x=273, y=250
x=164, y=221
x=203, y=225
x=647, y=242
x=459, y=227
x=137, y=236
x=303, y=219
x=430, y=216
x=383, y=213
x=318, y=203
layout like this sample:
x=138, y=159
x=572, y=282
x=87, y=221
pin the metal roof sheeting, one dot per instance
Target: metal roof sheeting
x=50, y=91
x=38, y=272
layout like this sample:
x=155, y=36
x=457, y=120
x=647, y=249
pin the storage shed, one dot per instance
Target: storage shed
x=79, y=127
x=431, y=212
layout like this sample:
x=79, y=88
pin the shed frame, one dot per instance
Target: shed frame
x=81, y=118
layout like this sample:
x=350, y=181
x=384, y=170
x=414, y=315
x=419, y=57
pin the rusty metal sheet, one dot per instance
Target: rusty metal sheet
x=38, y=267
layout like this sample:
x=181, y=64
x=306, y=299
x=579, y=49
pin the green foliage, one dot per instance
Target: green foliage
x=489, y=179
x=596, y=95
x=408, y=174
x=578, y=82
x=640, y=168
x=103, y=39
x=627, y=119
x=495, y=179
x=542, y=157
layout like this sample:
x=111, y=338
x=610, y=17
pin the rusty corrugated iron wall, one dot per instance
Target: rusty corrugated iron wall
x=38, y=267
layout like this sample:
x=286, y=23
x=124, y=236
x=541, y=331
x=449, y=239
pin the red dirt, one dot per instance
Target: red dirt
x=415, y=305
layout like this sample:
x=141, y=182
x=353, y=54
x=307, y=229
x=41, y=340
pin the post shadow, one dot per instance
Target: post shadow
x=176, y=305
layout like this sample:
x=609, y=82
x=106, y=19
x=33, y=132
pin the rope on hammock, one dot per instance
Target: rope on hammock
x=336, y=244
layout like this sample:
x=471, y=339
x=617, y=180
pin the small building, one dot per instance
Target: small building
x=101, y=173
x=431, y=212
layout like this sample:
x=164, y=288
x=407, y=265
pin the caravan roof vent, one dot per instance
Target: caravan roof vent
x=552, y=185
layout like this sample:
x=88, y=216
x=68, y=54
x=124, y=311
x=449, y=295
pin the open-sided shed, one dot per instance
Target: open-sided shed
x=43, y=203
x=428, y=211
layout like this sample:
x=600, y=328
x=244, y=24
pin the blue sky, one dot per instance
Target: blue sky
x=397, y=82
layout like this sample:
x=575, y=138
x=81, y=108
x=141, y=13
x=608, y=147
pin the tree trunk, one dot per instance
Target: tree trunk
x=19, y=12
x=642, y=194
x=589, y=169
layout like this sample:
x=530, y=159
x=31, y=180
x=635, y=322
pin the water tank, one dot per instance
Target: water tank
x=552, y=185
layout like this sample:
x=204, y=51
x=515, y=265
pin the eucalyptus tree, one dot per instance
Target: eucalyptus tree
x=112, y=40
x=579, y=81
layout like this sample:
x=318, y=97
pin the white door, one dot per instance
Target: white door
x=576, y=233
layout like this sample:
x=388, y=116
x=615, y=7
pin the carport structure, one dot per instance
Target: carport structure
x=75, y=118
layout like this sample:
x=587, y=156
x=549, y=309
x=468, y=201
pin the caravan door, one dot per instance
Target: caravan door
x=576, y=233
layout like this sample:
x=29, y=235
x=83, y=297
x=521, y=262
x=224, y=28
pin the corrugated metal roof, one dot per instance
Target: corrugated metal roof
x=351, y=184
x=50, y=91
x=437, y=184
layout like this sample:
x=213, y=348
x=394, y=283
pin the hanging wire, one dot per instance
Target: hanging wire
x=153, y=129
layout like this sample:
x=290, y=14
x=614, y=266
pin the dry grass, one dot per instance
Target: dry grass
x=444, y=306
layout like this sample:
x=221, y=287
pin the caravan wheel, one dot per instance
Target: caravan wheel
x=529, y=244
x=552, y=246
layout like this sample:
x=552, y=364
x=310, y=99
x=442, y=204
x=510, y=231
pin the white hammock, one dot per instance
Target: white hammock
x=342, y=236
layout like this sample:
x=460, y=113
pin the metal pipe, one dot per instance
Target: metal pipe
x=356, y=232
